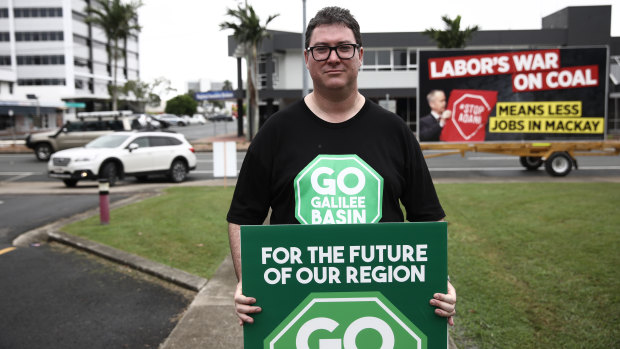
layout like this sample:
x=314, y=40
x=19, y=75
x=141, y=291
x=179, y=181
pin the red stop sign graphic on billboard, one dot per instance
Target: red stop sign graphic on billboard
x=470, y=113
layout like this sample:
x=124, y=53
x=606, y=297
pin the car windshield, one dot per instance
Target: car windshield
x=108, y=141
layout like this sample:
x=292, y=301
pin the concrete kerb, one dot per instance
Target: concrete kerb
x=164, y=272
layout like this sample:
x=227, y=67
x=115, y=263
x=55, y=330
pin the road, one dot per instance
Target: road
x=25, y=168
x=52, y=296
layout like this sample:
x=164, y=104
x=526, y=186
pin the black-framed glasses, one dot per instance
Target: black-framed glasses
x=343, y=51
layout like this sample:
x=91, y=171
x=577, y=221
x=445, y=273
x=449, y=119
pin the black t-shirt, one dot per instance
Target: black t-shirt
x=292, y=138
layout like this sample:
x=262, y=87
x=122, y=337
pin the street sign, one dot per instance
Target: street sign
x=341, y=189
x=345, y=286
x=214, y=95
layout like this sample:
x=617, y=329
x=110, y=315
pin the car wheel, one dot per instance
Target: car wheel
x=109, y=171
x=181, y=124
x=70, y=183
x=178, y=171
x=531, y=163
x=43, y=151
x=559, y=164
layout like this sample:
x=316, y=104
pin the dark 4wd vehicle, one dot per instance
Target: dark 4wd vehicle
x=75, y=134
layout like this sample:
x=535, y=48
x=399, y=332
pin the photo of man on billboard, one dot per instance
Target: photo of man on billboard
x=432, y=124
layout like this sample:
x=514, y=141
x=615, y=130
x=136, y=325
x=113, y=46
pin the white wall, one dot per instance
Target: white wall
x=290, y=70
x=388, y=79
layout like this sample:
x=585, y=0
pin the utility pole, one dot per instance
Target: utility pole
x=304, y=74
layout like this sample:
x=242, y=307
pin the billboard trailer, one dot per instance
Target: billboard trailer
x=546, y=106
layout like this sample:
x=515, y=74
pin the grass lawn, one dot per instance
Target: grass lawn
x=535, y=265
x=185, y=228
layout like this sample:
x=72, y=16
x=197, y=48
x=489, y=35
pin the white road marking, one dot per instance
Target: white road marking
x=20, y=173
x=465, y=169
x=599, y=167
x=16, y=178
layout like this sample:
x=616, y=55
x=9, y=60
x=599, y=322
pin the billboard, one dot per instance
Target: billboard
x=512, y=95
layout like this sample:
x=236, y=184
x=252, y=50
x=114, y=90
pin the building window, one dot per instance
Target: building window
x=377, y=60
x=412, y=64
x=400, y=59
x=80, y=62
x=80, y=40
x=41, y=60
x=40, y=82
x=4, y=13
x=4, y=36
x=39, y=36
x=262, y=71
x=79, y=84
x=390, y=60
x=5, y=60
x=25, y=12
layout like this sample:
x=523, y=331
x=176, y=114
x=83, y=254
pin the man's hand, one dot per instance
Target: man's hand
x=446, y=115
x=445, y=304
x=243, y=306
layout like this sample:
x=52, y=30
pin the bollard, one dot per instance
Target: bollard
x=104, y=201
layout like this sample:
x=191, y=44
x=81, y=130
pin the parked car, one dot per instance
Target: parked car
x=122, y=154
x=145, y=122
x=196, y=119
x=220, y=117
x=77, y=133
x=170, y=119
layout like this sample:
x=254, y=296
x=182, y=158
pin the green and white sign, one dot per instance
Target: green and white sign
x=350, y=286
x=338, y=189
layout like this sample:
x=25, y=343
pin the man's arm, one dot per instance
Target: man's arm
x=430, y=130
x=234, y=238
x=243, y=304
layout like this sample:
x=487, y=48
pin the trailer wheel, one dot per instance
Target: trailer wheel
x=559, y=164
x=531, y=163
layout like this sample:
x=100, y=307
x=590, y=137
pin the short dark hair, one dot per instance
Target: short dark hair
x=431, y=94
x=334, y=15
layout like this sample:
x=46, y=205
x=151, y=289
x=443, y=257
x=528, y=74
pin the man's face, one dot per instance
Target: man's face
x=438, y=102
x=334, y=73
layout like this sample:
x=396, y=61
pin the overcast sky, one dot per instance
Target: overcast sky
x=181, y=39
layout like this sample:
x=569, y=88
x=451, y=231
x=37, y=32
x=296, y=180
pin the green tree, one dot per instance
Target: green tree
x=248, y=32
x=118, y=21
x=181, y=105
x=452, y=36
x=147, y=93
x=227, y=86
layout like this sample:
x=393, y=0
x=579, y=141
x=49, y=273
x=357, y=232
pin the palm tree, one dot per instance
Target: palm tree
x=118, y=21
x=452, y=36
x=249, y=33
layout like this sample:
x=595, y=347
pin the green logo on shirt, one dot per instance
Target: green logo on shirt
x=338, y=189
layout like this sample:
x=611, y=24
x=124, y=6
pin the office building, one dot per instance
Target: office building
x=389, y=73
x=53, y=63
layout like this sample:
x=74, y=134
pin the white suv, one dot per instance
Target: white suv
x=120, y=154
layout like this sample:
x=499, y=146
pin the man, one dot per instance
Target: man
x=334, y=119
x=432, y=124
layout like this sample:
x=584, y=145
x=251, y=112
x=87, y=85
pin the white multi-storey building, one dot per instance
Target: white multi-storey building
x=51, y=60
